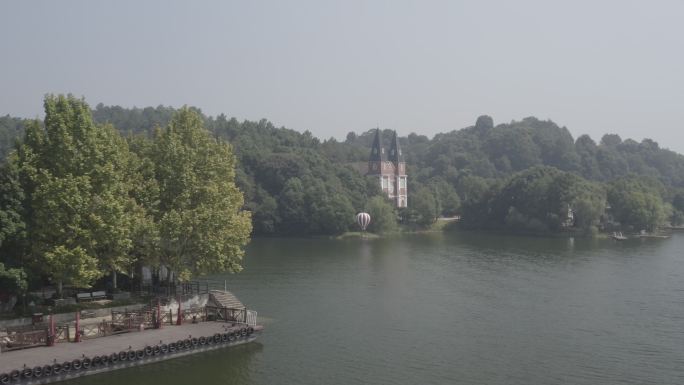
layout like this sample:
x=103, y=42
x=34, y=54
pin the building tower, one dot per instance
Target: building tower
x=397, y=159
x=390, y=169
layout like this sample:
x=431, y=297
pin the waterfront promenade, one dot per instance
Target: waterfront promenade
x=68, y=351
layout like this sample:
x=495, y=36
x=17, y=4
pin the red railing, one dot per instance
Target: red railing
x=22, y=339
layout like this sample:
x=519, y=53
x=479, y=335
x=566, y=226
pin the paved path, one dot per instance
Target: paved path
x=67, y=351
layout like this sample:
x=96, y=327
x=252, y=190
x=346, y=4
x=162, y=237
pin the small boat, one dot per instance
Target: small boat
x=617, y=235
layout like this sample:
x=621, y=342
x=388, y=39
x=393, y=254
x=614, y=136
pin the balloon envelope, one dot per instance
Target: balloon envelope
x=363, y=219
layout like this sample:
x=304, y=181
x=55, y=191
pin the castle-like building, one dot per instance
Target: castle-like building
x=390, y=169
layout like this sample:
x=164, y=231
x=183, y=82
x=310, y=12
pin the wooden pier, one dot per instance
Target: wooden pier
x=44, y=365
x=127, y=339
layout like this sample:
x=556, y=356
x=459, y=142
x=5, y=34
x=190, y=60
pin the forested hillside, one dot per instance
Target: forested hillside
x=295, y=183
x=490, y=151
x=475, y=170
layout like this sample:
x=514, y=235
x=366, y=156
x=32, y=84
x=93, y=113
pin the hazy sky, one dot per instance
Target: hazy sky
x=333, y=67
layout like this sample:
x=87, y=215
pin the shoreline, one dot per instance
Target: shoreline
x=663, y=234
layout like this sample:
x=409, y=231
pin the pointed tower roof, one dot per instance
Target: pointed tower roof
x=395, y=154
x=377, y=154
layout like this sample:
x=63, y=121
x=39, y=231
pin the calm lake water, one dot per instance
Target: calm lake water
x=450, y=309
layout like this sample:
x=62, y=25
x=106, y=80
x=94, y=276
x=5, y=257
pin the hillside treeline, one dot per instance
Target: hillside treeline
x=524, y=177
x=296, y=184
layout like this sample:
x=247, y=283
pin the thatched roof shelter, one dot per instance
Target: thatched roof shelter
x=224, y=299
x=223, y=305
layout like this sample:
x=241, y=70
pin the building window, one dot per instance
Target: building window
x=402, y=182
x=384, y=182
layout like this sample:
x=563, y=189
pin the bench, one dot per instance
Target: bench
x=94, y=296
x=83, y=297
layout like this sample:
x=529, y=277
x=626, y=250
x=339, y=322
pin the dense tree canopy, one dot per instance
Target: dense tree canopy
x=424, y=208
x=541, y=199
x=78, y=200
x=12, y=281
x=201, y=225
x=296, y=184
x=637, y=202
x=79, y=210
x=383, y=216
x=11, y=199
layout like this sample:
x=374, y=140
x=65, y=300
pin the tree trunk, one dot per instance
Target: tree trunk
x=114, y=284
x=59, y=289
x=168, y=276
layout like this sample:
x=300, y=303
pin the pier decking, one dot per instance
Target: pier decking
x=106, y=346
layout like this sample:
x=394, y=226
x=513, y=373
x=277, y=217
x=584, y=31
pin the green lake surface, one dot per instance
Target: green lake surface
x=438, y=308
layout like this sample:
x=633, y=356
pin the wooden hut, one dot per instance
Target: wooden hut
x=224, y=306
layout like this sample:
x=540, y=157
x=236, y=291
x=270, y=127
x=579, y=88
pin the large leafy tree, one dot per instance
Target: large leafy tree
x=526, y=202
x=586, y=199
x=383, y=215
x=11, y=198
x=12, y=281
x=636, y=202
x=677, y=208
x=11, y=129
x=424, y=208
x=331, y=211
x=588, y=204
x=201, y=225
x=78, y=209
x=448, y=201
x=145, y=191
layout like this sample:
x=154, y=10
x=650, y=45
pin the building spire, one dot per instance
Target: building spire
x=377, y=152
x=395, y=154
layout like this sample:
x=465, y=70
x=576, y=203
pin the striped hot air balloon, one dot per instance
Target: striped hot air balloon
x=363, y=219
